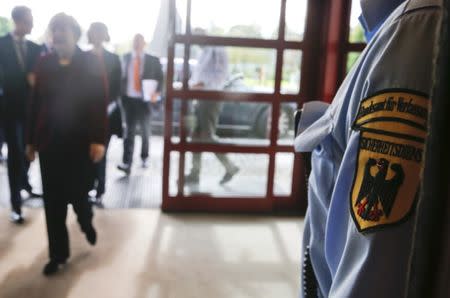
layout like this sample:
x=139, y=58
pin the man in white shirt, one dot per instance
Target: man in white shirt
x=210, y=73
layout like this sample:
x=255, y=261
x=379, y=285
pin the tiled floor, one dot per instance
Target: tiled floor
x=144, y=253
x=143, y=188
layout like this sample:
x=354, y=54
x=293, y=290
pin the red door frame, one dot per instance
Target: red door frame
x=321, y=39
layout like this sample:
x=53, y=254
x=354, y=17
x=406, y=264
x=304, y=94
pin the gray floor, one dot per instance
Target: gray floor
x=143, y=188
x=143, y=253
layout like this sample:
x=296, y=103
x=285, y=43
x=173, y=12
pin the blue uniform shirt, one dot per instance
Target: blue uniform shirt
x=374, y=13
x=366, y=161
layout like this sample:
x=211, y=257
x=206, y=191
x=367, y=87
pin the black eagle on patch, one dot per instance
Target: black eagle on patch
x=376, y=190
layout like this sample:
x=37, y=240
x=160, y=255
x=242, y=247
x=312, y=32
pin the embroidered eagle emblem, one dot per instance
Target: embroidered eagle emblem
x=376, y=190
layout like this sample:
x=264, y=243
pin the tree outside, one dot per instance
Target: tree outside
x=5, y=26
x=356, y=36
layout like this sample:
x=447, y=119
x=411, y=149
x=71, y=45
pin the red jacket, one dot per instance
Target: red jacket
x=68, y=104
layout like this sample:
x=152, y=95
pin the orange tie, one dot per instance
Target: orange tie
x=137, y=74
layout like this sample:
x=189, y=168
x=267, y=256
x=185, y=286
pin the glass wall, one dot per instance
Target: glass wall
x=243, y=72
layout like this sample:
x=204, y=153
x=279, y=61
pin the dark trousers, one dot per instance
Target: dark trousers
x=137, y=112
x=100, y=174
x=17, y=164
x=66, y=179
x=2, y=140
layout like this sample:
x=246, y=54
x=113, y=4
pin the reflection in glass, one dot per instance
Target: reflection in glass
x=295, y=19
x=247, y=69
x=227, y=122
x=173, y=173
x=284, y=167
x=178, y=69
x=237, y=18
x=180, y=21
x=290, y=83
x=251, y=180
x=286, y=123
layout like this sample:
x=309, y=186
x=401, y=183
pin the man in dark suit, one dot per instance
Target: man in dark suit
x=18, y=57
x=2, y=134
x=138, y=67
x=110, y=63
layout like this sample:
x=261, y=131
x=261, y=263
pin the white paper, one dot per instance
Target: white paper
x=149, y=88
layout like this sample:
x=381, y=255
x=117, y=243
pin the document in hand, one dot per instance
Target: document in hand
x=149, y=88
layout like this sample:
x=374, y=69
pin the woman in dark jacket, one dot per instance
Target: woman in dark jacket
x=110, y=64
x=67, y=126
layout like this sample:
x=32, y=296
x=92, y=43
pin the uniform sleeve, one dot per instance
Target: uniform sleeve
x=366, y=165
x=381, y=128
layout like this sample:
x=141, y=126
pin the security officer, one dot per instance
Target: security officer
x=367, y=157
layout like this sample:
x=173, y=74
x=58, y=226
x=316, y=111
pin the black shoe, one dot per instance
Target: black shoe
x=91, y=236
x=229, y=175
x=192, y=179
x=16, y=218
x=52, y=267
x=124, y=168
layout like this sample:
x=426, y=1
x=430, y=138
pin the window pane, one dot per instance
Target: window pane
x=237, y=18
x=284, y=167
x=173, y=173
x=295, y=19
x=250, y=180
x=178, y=73
x=286, y=123
x=352, y=57
x=180, y=22
x=290, y=83
x=225, y=122
x=233, y=68
x=356, y=30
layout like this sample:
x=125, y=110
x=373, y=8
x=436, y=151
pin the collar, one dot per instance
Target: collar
x=17, y=38
x=134, y=54
x=374, y=13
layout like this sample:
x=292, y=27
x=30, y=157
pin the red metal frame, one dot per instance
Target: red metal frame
x=337, y=47
x=321, y=39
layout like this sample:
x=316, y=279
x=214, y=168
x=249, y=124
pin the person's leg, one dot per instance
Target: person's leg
x=130, y=132
x=194, y=175
x=82, y=170
x=55, y=205
x=144, y=122
x=197, y=136
x=2, y=141
x=24, y=163
x=210, y=114
x=14, y=165
x=226, y=162
x=230, y=168
x=101, y=173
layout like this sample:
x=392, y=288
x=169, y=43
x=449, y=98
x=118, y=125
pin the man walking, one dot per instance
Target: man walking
x=18, y=57
x=138, y=68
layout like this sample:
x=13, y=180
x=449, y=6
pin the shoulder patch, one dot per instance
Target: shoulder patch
x=392, y=127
